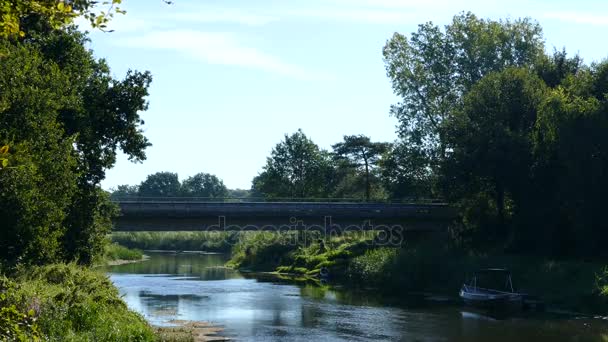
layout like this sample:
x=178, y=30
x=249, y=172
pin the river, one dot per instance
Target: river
x=197, y=287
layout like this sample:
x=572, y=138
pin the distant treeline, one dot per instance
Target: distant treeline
x=167, y=184
x=356, y=168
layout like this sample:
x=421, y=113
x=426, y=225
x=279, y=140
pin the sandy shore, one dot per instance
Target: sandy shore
x=122, y=262
x=199, y=331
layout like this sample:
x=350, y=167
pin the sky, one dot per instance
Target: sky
x=232, y=77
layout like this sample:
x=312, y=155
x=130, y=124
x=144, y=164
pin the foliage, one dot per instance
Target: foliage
x=263, y=250
x=405, y=173
x=115, y=251
x=124, y=191
x=511, y=135
x=56, y=13
x=177, y=241
x=203, y=185
x=239, y=193
x=35, y=193
x=296, y=168
x=70, y=303
x=373, y=267
x=360, y=152
x=160, y=184
x=344, y=181
x=17, y=326
x=434, y=68
x=490, y=145
x=65, y=117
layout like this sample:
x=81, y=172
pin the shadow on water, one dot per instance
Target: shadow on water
x=256, y=307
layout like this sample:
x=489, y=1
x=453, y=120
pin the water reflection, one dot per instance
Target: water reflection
x=196, y=287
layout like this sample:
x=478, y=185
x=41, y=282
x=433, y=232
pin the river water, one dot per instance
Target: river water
x=197, y=287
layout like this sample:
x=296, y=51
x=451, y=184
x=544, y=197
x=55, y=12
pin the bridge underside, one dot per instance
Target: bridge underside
x=328, y=217
x=222, y=223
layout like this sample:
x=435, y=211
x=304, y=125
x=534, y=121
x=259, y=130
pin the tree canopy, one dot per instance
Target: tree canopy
x=433, y=68
x=296, y=168
x=160, y=184
x=64, y=117
x=360, y=152
x=204, y=185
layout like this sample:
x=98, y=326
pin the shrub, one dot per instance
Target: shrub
x=68, y=303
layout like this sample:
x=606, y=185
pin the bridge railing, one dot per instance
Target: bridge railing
x=275, y=199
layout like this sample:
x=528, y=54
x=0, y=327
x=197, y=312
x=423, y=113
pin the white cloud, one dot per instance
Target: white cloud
x=396, y=4
x=579, y=18
x=221, y=49
x=222, y=16
x=356, y=15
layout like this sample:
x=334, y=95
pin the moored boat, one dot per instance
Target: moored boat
x=490, y=296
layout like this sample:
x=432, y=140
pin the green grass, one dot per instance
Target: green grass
x=180, y=241
x=115, y=251
x=66, y=303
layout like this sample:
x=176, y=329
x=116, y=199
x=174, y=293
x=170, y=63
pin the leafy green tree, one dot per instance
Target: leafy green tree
x=296, y=168
x=434, y=68
x=91, y=113
x=160, y=184
x=489, y=141
x=239, y=193
x=125, y=191
x=344, y=181
x=362, y=154
x=204, y=185
x=570, y=145
x=57, y=13
x=102, y=118
x=406, y=173
x=36, y=190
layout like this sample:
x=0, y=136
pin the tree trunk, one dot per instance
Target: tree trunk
x=367, y=186
x=500, y=205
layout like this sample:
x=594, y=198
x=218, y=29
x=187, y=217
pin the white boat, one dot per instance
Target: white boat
x=477, y=294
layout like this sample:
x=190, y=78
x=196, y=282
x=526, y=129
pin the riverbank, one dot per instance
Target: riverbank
x=66, y=302
x=219, y=242
x=425, y=266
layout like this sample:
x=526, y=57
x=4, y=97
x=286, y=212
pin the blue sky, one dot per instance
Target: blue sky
x=231, y=77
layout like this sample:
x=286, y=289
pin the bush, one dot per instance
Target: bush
x=374, y=267
x=67, y=303
x=183, y=241
x=115, y=251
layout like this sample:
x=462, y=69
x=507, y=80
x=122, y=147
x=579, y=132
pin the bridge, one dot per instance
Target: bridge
x=179, y=214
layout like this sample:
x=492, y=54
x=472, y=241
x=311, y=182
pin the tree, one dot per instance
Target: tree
x=489, y=142
x=160, y=184
x=433, y=69
x=204, y=185
x=102, y=118
x=36, y=190
x=64, y=118
x=406, y=173
x=239, y=193
x=361, y=153
x=125, y=191
x=570, y=146
x=296, y=168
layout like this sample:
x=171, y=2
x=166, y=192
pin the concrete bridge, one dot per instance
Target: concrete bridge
x=188, y=215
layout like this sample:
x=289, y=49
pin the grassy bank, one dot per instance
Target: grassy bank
x=115, y=252
x=359, y=260
x=66, y=303
x=220, y=242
